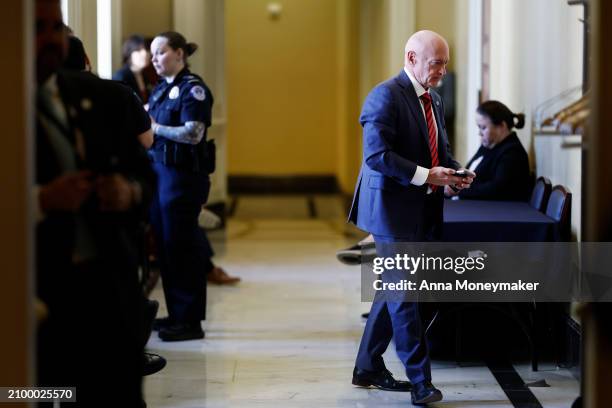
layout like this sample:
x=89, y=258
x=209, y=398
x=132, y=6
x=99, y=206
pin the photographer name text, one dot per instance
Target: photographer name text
x=459, y=285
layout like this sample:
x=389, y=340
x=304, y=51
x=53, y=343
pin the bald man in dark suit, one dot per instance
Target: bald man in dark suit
x=399, y=198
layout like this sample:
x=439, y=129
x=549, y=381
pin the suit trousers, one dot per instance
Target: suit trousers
x=397, y=320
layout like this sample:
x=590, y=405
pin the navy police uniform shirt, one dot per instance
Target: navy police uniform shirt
x=186, y=99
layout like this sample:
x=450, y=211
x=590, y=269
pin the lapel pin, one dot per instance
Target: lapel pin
x=86, y=104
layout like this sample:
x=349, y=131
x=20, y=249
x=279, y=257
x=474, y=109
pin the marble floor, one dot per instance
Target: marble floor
x=287, y=335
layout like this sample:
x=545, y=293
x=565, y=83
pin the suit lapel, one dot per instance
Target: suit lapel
x=436, y=108
x=71, y=103
x=413, y=103
x=78, y=108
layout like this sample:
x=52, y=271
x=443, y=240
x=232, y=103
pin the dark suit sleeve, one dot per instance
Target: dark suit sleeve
x=135, y=164
x=451, y=162
x=510, y=177
x=379, y=121
x=141, y=121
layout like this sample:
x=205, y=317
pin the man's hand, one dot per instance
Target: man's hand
x=443, y=176
x=115, y=193
x=146, y=139
x=465, y=182
x=449, y=192
x=66, y=193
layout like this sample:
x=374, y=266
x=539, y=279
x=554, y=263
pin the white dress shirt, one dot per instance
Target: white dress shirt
x=421, y=173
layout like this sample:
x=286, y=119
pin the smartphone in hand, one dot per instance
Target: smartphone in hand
x=464, y=173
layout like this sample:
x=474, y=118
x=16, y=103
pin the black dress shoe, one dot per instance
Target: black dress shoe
x=350, y=255
x=152, y=363
x=357, y=254
x=161, y=323
x=424, y=393
x=381, y=379
x=182, y=331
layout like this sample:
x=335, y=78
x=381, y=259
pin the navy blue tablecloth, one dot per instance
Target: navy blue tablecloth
x=496, y=221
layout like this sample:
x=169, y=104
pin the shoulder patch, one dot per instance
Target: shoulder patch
x=198, y=93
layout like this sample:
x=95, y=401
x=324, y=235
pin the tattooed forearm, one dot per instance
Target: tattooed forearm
x=190, y=133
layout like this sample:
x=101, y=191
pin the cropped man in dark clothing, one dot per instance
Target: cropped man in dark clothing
x=93, y=182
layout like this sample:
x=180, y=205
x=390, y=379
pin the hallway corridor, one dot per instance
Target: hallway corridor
x=287, y=335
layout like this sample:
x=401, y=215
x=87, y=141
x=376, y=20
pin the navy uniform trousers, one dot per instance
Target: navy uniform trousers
x=183, y=249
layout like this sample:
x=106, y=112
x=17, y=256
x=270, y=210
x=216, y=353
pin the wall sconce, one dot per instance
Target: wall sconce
x=274, y=10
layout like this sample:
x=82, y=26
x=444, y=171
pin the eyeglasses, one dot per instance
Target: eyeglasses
x=437, y=64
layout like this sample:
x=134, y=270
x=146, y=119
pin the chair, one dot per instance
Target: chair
x=541, y=193
x=559, y=208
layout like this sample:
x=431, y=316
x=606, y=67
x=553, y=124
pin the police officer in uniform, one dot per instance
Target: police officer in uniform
x=180, y=108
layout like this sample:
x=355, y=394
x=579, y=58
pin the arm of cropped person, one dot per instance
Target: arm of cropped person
x=189, y=133
x=146, y=139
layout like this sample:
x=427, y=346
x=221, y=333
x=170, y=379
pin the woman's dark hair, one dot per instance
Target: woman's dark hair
x=497, y=112
x=176, y=41
x=133, y=43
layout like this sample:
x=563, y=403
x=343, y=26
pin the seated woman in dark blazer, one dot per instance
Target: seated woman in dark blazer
x=501, y=162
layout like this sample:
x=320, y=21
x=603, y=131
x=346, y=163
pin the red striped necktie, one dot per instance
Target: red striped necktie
x=431, y=129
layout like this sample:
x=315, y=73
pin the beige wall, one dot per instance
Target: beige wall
x=384, y=29
x=349, y=131
x=82, y=18
x=439, y=16
x=292, y=105
x=146, y=17
x=374, y=44
x=282, y=94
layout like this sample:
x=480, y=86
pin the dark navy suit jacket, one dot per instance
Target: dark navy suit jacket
x=395, y=142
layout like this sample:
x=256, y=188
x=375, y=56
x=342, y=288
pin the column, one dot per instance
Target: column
x=108, y=24
x=16, y=178
x=402, y=24
x=202, y=22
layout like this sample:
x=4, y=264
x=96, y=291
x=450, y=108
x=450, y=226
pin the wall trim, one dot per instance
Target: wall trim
x=292, y=184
